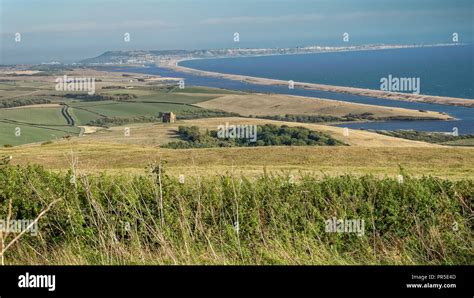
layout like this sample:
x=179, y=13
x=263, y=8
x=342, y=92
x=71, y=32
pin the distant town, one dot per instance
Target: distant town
x=153, y=57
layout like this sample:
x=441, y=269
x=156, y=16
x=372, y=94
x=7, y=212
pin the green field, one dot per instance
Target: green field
x=175, y=97
x=15, y=87
x=124, y=109
x=48, y=123
x=164, y=95
x=30, y=125
x=43, y=116
x=32, y=133
x=20, y=85
x=119, y=101
x=83, y=117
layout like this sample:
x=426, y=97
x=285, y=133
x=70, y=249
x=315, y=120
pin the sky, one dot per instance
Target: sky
x=68, y=31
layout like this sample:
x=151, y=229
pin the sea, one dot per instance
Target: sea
x=443, y=71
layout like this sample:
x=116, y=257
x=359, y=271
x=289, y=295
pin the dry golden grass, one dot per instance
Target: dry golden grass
x=109, y=149
x=147, y=134
x=451, y=162
x=36, y=106
x=156, y=134
x=279, y=104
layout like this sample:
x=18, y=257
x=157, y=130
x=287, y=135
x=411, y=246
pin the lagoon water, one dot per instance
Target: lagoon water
x=465, y=116
x=442, y=70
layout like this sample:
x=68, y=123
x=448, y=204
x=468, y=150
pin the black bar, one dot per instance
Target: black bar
x=258, y=281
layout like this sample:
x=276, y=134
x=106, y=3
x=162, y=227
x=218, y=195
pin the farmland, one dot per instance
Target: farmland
x=129, y=98
x=133, y=102
x=225, y=205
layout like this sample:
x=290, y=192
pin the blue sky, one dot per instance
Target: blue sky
x=72, y=30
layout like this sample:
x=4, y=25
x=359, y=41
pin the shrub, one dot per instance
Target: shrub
x=155, y=219
x=267, y=135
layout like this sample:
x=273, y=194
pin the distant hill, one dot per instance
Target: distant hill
x=143, y=57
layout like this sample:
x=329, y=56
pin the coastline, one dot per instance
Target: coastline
x=462, y=102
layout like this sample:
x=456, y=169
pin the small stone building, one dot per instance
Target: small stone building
x=169, y=117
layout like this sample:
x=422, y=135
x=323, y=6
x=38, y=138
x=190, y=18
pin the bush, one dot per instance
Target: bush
x=267, y=135
x=430, y=137
x=22, y=102
x=155, y=219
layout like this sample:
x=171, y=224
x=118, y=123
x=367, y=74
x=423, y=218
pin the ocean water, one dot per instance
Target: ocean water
x=443, y=70
x=464, y=116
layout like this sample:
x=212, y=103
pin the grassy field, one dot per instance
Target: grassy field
x=452, y=162
x=125, y=109
x=162, y=95
x=41, y=116
x=83, y=116
x=28, y=125
x=110, y=149
x=156, y=134
x=276, y=104
x=369, y=152
x=43, y=122
x=32, y=133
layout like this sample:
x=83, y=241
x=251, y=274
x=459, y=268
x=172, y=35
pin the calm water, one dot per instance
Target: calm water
x=443, y=71
x=465, y=124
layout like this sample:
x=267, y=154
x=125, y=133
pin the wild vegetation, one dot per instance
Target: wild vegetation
x=19, y=102
x=266, y=135
x=203, y=113
x=155, y=218
x=304, y=118
x=115, y=121
x=347, y=117
x=99, y=97
x=430, y=137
